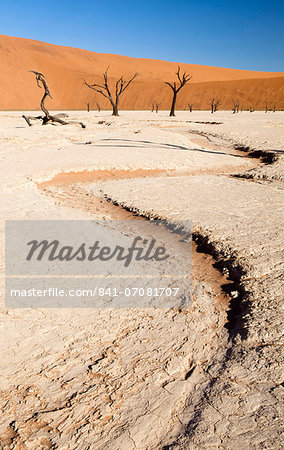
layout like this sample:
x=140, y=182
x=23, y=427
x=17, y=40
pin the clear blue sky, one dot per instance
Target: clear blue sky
x=238, y=34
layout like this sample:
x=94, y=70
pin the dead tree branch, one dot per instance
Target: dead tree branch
x=120, y=86
x=176, y=87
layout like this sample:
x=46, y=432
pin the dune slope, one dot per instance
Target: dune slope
x=64, y=68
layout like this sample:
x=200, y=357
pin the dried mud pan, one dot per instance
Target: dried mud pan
x=208, y=377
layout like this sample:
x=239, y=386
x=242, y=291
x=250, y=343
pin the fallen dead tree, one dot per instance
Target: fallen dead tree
x=47, y=117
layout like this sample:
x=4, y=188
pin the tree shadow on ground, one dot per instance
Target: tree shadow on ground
x=144, y=144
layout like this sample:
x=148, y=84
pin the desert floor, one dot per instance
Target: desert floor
x=207, y=377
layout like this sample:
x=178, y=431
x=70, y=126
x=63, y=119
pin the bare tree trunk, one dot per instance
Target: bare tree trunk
x=172, y=113
x=115, y=110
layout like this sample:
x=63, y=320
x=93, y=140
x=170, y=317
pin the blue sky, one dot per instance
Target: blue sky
x=237, y=34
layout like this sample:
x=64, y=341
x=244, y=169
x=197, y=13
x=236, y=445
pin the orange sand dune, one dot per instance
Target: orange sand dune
x=64, y=68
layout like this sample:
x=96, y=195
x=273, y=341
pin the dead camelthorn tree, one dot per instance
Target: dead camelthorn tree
x=182, y=80
x=47, y=118
x=120, y=86
x=190, y=106
x=236, y=106
x=88, y=107
x=214, y=103
x=99, y=107
x=155, y=107
x=274, y=107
